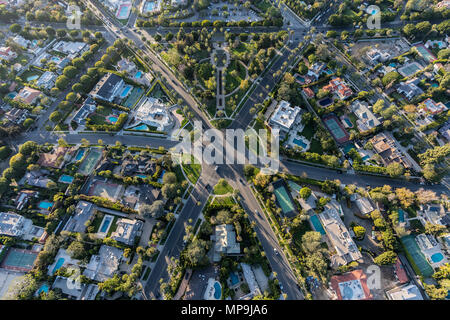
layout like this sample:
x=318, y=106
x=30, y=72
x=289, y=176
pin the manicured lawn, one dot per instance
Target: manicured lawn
x=316, y=146
x=192, y=171
x=220, y=188
x=307, y=132
x=224, y=200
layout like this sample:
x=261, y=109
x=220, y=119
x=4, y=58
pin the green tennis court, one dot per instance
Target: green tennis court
x=284, y=200
x=18, y=259
x=419, y=259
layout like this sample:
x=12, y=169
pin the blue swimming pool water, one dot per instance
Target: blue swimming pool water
x=437, y=257
x=11, y=95
x=349, y=147
x=66, y=179
x=160, y=180
x=143, y=176
x=125, y=91
x=45, y=205
x=31, y=78
x=217, y=290
x=149, y=6
x=234, y=278
x=105, y=225
x=365, y=158
x=80, y=154
x=138, y=75
x=325, y=102
x=300, y=79
x=401, y=215
x=43, y=288
x=317, y=225
x=58, y=265
x=300, y=143
x=142, y=127
x=348, y=122
x=112, y=119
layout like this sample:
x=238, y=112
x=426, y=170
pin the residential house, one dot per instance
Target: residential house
x=429, y=105
x=434, y=213
x=364, y=205
x=153, y=113
x=345, y=248
x=23, y=197
x=385, y=146
x=27, y=95
x=75, y=290
x=405, y=292
x=409, y=88
x=104, y=265
x=308, y=92
x=366, y=119
x=83, y=212
x=351, y=286
x=340, y=88
x=127, y=230
x=46, y=81
x=88, y=107
x=6, y=53
x=284, y=117
x=225, y=241
x=16, y=115
x=107, y=88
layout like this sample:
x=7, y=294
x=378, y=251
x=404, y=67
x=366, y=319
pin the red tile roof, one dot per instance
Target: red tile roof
x=354, y=275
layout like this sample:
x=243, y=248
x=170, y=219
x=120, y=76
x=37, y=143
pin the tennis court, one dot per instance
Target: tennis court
x=413, y=249
x=409, y=69
x=336, y=129
x=133, y=97
x=19, y=260
x=90, y=161
x=284, y=199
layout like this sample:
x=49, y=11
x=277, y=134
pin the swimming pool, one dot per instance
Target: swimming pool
x=300, y=79
x=106, y=224
x=138, y=75
x=348, y=122
x=283, y=199
x=300, y=143
x=160, y=180
x=112, y=119
x=217, y=290
x=66, y=179
x=401, y=215
x=143, y=176
x=43, y=288
x=32, y=78
x=142, y=127
x=437, y=257
x=317, y=225
x=46, y=205
x=325, y=102
x=80, y=154
x=234, y=278
x=124, y=11
x=58, y=265
x=126, y=91
x=11, y=95
x=149, y=6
